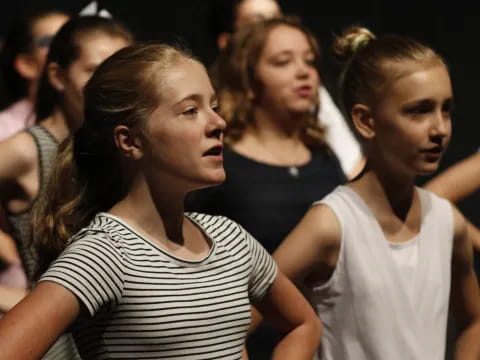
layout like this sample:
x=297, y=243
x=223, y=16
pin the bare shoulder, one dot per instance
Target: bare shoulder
x=312, y=245
x=463, y=237
x=19, y=156
x=323, y=224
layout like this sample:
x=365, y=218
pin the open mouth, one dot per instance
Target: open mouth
x=434, y=150
x=304, y=90
x=214, y=151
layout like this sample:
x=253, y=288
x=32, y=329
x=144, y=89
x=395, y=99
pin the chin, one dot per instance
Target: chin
x=214, y=180
x=427, y=170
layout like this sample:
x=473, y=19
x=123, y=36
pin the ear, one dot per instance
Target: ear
x=56, y=76
x=127, y=142
x=26, y=67
x=363, y=121
x=222, y=40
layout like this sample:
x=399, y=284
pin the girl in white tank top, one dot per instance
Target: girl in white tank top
x=381, y=257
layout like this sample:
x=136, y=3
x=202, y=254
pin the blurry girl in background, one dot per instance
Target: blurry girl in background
x=78, y=48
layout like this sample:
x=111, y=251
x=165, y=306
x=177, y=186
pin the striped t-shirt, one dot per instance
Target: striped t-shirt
x=144, y=303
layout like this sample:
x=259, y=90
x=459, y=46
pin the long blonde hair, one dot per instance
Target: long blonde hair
x=89, y=175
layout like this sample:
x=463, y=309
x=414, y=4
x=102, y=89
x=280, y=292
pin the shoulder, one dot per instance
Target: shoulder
x=323, y=222
x=103, y=233
x=220, y=229
x=215, y=224
x=22, y=154
x=435, y=207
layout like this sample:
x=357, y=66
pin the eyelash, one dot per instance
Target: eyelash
x=190, y=111
x=310, y=62
x=193, y=111
x=425, y=109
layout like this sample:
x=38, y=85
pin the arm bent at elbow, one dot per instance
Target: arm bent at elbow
x=33, y=325
x=290, y=313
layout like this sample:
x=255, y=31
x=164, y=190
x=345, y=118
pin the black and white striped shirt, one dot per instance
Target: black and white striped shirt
x=144, y=303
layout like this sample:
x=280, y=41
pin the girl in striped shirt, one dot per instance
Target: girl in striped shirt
x=135, y=277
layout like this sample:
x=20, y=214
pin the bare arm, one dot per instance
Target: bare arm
x=310, y=251
x=474, y=235
x=291, y=314
x=459, y=180
x=465, y=295
x=31, y=327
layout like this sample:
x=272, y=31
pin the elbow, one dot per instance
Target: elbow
x=317, y=330
x=312, y=330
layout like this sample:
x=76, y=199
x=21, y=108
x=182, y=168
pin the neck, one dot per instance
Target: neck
x=159, y=214
x=57, y=124
x=270, y=126
x=32, y=91
x=388, y=190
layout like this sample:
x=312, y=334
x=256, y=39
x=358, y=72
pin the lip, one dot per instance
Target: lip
x=433, y=153
x=304, y=91
x=214, y=152
x=434, y=150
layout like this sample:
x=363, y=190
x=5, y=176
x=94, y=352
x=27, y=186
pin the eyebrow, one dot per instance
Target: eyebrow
x=196, y=97
x=288, y=52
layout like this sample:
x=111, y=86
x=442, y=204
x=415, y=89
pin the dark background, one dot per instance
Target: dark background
x=195, y=23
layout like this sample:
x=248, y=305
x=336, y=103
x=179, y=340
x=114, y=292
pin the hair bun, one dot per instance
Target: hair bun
x=354, y=38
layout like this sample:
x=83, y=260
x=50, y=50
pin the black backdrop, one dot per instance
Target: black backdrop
x=194, y=22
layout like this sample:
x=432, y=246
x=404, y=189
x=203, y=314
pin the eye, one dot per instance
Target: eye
x=190, y=111
x=447, y=106
x=421, y=108
x=216, y=108
x=310, y=61
x=281, y=61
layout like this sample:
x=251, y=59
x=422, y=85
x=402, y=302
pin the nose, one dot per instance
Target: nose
x=303, y=70
x=440, y=127
x=216, y=125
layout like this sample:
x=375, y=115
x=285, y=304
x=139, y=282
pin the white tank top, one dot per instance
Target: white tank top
x=384, y=303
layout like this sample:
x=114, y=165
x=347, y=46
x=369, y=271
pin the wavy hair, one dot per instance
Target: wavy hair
x=90, y=175
x=237, y=78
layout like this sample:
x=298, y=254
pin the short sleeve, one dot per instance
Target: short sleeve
x=92, y=269
x=263, y=269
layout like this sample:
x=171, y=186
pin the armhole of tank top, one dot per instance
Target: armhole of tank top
x=40, y=176
x=451, y=221
x=325, y=286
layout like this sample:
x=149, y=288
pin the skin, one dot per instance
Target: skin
x=30, y=65
x=412, y=115
x=154, y=206
x=249, y=12
x=252, y=11
x=458, y=181
x=286, y=89
x=19, y=173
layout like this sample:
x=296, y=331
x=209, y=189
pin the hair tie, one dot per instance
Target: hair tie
x=92, y=10
x=361, y=41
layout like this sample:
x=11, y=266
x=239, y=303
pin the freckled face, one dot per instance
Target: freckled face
x=413, y=119
x=185, y=133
